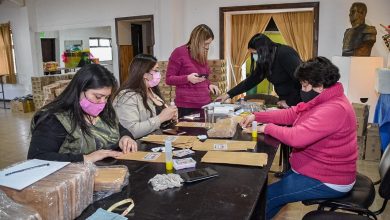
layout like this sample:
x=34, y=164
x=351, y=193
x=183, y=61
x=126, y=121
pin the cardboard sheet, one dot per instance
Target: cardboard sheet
x=223, y=145
x=144, y=156
x=239, y=158
x=177, y=141
x=208, y=145
x=191, y=124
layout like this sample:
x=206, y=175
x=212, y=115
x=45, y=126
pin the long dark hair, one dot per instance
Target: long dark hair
x=92, y=76
x=266, y=50
x=141, y=64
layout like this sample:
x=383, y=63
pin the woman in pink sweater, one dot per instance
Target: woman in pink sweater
x=188, y=71
x=322, y=136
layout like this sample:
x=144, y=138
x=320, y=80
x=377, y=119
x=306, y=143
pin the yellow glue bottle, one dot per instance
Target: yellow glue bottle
x=168, y=155
x=254, y=129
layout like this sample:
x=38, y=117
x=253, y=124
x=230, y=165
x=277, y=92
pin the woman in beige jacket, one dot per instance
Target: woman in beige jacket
x=138, y=102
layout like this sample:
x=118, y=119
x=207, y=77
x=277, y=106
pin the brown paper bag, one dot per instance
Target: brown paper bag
x=153, y=157
x=223, y=145
x=191, y=124
x=239, y=158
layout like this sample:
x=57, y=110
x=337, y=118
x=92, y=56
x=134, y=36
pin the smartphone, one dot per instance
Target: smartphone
x=173, y=131
x=202, y=75
x=198, y=174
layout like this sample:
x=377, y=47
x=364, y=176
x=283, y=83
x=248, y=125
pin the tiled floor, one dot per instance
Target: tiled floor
x=14, y=142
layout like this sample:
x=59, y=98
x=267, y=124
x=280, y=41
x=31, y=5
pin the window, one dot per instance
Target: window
x=101, y=48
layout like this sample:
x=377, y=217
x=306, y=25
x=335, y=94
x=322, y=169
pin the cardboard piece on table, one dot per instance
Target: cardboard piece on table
x=239, y=158
x=109, y=178
x=191, y=124
x=223, y=145
x=177, y=141
x=144, y=156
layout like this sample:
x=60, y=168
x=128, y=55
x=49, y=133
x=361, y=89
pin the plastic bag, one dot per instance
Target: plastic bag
x=109, y=180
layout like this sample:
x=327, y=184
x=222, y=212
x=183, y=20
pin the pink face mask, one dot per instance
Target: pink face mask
x=155, y=80
x=91, y=108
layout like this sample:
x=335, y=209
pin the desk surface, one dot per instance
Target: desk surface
x=234, y=194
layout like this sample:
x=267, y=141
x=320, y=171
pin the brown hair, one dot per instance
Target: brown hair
x=198, y=36
x=141, y=64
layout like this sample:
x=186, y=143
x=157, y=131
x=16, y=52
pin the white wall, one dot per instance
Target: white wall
x=20, y=26
x=173, y=22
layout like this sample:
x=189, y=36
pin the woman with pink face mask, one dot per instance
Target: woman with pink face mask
x=81, y=124
x=138, y=102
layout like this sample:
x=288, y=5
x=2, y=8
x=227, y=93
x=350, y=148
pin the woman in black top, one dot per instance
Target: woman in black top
x=81, y=124
x=275, y=62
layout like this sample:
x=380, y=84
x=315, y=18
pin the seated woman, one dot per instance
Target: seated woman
x=138, y=103
x=322, y=136
x=80, y=124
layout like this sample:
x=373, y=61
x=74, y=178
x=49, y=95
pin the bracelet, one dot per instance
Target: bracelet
x=116, y=205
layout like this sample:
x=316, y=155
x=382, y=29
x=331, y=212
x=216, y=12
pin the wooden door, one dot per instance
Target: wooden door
x=48, y=49
x=125, y=57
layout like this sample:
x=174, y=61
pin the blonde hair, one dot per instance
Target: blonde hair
x=198, y=36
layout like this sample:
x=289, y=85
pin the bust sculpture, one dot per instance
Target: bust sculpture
x=360, y=38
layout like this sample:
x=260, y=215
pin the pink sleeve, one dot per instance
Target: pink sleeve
x=173, y=71
x=282, y=117
x=315, y=127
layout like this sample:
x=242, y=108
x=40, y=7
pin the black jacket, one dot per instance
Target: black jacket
x=287, y=87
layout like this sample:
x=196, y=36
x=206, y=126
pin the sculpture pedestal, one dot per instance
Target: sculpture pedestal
x=358, y=77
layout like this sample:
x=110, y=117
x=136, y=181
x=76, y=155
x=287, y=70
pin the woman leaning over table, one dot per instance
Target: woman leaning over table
x=80, y=124
x=138, y=102
x=188, y=71
x=322, y=136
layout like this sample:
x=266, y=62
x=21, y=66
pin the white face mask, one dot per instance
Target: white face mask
x=255, y=57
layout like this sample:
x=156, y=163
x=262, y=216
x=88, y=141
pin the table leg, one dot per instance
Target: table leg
x=259, y=212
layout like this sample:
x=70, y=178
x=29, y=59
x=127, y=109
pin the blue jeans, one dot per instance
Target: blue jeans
x=295, y=187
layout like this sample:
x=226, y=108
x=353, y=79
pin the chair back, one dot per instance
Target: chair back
x=384, y=173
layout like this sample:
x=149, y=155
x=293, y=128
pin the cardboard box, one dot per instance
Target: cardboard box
x=361, y=110
x=373, y=143
x=361, y=141
x=361, y=125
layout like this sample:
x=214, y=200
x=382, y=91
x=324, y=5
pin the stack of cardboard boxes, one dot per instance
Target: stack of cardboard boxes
x=23, y=104
x=39, y=82
x=373, y=143
x=217, y=77
x=362, y=111
x=53, y=90
x=367, y=134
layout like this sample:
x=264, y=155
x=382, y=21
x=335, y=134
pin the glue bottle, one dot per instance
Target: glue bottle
x=254, y=129
x=168, y=155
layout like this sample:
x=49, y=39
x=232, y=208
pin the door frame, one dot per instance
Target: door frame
x=223, y=10
x=133, y=18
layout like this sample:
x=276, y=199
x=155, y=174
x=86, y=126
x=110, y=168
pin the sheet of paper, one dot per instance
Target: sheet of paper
x=239, y=158
x=33, y=170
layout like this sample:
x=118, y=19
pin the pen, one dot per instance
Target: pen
x=28, y=168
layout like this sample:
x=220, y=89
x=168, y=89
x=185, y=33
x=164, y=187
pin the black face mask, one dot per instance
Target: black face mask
x=307, y=96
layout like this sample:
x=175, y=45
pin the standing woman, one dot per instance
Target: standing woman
x=188, y=71
x=138, y=103
x=80, y=124
x=275, y=62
